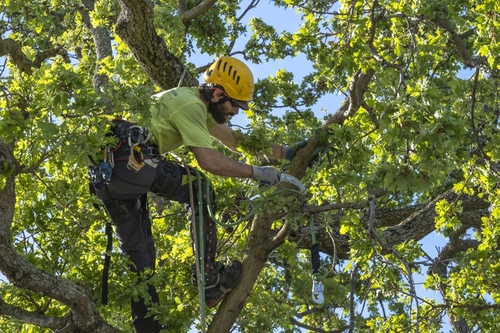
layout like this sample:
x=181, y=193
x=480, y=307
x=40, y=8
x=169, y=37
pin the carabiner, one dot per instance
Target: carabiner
x=317, y=291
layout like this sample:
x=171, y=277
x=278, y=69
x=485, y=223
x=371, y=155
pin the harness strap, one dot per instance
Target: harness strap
x=107, y=261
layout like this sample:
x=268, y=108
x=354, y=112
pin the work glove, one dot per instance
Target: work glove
x=291, y=151
x=266, y=175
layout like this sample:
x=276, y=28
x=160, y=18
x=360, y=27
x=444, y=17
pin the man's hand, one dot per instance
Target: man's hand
x=266, y=175
x=290, y=152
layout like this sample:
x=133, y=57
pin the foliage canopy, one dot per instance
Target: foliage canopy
x=410, y=154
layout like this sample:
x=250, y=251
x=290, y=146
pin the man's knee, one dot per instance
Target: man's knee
x=167, y=180
x=120, y=211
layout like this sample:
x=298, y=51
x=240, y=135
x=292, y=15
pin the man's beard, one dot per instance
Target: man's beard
x=217, y=111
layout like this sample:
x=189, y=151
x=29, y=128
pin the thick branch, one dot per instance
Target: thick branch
x=135, y=27
x=258, y=249
x=440, y=267
x=33, y=318
x=11, y=48
x=102, y=42
x=351, y=105
x=84, y=313
x=401, y=224
x=421, y=223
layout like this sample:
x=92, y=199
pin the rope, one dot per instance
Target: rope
x=199, y=245
x=252, y=212
x=199, y=241
x=318, y=288
x=315, y=260
x=198, y=248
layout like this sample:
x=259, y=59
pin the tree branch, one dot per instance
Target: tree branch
x=191, y=14
x=34, y=318
x=421, y=223
x=84, y=313
x=135, y=27
x=11, y=48
x=102, y=42
x=440, y=268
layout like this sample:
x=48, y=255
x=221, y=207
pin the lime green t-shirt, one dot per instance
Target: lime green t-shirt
x=179, y=117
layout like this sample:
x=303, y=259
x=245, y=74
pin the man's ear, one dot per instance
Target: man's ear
x=217, y=95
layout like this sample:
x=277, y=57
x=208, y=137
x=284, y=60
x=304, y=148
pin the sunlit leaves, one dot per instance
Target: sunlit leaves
x=425, y=125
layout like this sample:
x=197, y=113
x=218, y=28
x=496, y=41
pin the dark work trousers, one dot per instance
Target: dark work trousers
x=124, y=199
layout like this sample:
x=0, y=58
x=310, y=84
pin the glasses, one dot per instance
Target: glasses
x=232, y=101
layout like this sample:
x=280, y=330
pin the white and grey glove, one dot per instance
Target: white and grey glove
x=266, y=175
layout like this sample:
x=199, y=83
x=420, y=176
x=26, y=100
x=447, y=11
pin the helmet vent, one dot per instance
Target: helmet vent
x=228, y=69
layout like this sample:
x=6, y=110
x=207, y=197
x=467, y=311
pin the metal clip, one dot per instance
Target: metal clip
x=138, y=135
x=135, y=163
x=109, y=157
x=317, y=291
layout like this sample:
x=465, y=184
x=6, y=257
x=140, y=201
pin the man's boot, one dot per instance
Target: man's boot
x=220, y=280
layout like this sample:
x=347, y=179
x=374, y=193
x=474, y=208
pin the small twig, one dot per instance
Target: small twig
x=351, y=299
x=373, y=233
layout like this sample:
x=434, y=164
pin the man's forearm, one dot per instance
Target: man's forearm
x=217, y=163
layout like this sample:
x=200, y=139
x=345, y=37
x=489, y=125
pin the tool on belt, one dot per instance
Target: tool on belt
x=132, y=142
x=137, y=135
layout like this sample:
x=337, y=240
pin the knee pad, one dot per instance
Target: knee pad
x=120, y=211
x=167, y=180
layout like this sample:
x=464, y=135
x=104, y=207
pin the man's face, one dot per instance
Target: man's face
x=222, y=110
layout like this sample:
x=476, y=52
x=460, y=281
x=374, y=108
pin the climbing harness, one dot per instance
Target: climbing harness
x=317, y=288
x=132, y=146
x=132, y=142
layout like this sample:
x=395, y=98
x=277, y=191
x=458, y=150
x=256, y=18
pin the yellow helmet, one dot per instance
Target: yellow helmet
x=234, y=76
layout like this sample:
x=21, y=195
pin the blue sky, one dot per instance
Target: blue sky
x=289, y=21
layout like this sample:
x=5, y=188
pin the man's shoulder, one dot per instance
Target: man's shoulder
x=182, y=92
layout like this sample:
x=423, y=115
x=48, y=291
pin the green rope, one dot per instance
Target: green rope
x=252, y=212
x=200, y=263
x=199, y=251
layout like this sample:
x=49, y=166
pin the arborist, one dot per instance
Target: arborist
x=188, y=116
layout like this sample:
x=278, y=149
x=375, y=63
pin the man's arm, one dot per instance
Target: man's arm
x=230, y=139
x=225, y=134
x=217, y=163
